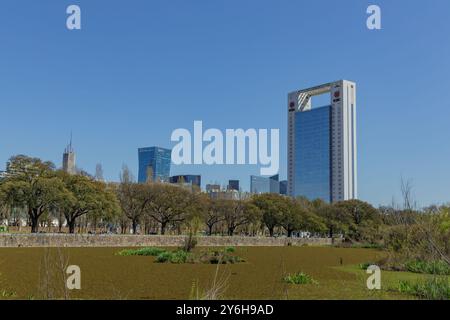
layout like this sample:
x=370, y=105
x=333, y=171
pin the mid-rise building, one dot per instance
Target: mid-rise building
x=154, y=164
x=233, y=185
x=195, y=180
x=322, y=143
x=260, y=185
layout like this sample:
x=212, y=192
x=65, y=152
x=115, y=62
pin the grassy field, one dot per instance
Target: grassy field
x=106, y=275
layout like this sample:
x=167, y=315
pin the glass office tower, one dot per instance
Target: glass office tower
x=312, y=154
x=322, y=143
x=156, y=162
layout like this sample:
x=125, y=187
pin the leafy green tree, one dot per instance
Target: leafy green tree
x=169, y=204
x=299, y=216
x=238, y=213
x=361, y=218
x=214, y=211
x=272, y=207
x=134, y=198
x=332, y=218
x=32, y=183
x=87, y=197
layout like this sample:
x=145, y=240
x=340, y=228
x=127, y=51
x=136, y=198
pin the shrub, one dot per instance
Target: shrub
x=220, y=257
x=189, y=243
x=432, y=289
x=437, y=267
x=367, y=245
x=230, y=249
x=299, y=278
x=178, y=256
x=164, y=257
x=151, y=251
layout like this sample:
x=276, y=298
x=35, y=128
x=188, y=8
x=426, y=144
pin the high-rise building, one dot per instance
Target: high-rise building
x=260, y=185
x=283, y=187
x=322, y=143
x=154, y=164
x=68, y=164
x=233, y=185
x=192, y=179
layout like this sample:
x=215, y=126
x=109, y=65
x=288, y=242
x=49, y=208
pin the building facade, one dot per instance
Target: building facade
x=68, y=163
x=154, y=164
x=213, y=188
x=283, y=187
x=195, y=180
x=322, y=162
x=233, y=185
x=259, y=185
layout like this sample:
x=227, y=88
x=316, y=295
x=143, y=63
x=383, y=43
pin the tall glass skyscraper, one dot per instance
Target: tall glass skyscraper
x=156, y=162
x=322, y=143
x=312, y=153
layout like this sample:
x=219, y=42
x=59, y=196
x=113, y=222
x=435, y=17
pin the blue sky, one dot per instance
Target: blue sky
x=140, y=69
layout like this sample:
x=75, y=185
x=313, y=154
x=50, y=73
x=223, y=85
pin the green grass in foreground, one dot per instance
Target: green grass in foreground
x=410, y=285
x=433, y=288
x=336, y=271
x=437, y=267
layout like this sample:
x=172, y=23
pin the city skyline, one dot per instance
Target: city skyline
x=121, y=86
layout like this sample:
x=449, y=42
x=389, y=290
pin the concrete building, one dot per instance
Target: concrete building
x=154, y=164
x=68, y=163
x=322, y=143
x=260, y=185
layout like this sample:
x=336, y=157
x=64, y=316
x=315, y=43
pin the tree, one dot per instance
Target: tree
x=332, y=218
x=88, y=197
x=238, y=213
x=214, y=213
x=32, y=183
x=292, y=217
x=299, y=216
x=110, y=211
x=361, y=218
x=133, y=197
x=5, y=208
x=170, y=204
x=272, y=207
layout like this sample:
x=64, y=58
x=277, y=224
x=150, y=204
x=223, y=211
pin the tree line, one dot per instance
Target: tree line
x=42, y=193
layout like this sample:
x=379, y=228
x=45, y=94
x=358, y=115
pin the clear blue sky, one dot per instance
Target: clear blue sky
x=139, y=69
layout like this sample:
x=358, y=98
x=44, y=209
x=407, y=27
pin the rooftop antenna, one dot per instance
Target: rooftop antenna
x=70, y=145
x=69, y=148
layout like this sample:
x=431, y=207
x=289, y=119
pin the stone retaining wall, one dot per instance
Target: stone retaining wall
x=107, y=240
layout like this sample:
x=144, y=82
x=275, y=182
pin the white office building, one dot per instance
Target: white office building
x=322, y=143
